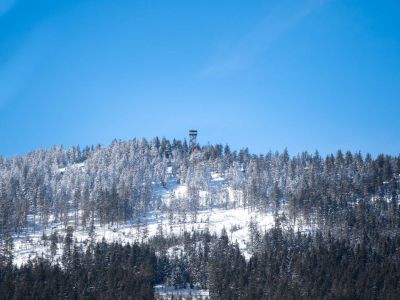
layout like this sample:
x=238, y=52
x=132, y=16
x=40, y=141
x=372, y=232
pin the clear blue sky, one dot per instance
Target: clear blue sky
x=304, y=75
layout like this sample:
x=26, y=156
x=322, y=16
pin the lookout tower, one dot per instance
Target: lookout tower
x=192, y=138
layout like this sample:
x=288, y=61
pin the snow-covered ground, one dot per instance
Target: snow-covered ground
x=77, y=166
x=162, y=292
x=235, y=221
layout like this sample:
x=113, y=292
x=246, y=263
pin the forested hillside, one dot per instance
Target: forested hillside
x=348, y=244
x=116, y=183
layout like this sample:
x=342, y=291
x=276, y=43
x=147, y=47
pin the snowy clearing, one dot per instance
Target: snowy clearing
x=234, y=220
x=163, y=292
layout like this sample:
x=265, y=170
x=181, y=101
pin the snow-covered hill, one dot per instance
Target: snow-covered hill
x=133, y=190
x=166, y=194
x=235, y=220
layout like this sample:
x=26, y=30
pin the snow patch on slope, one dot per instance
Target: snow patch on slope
x=77, y=166
x=164, y=292
x=235, y=220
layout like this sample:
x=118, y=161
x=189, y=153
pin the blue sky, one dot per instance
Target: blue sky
x=266, y=75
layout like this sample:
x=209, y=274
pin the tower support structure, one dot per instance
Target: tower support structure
x=192, y=138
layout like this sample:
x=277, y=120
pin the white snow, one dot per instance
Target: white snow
x=169, y=170
x=235, y=220
x=163, y=292
x=181, y=191
x=77, y=166
x=217, y=176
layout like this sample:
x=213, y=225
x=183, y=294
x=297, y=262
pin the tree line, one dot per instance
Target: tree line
x=286, y=265
x=117, y=183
